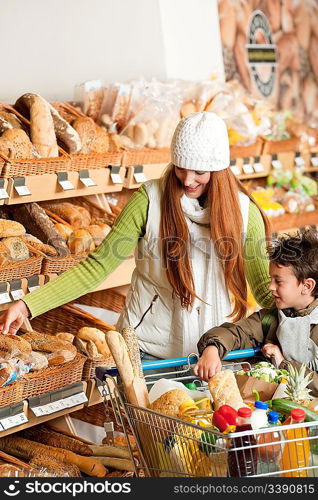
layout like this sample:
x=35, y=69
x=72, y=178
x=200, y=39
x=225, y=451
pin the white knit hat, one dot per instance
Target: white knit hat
x=200, y=142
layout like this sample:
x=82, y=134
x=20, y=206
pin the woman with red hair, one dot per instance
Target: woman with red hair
x=200, y=238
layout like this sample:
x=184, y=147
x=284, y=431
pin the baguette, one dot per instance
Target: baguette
x=120, y=354
x=97, y=336
x=25, y=448
x=117, y=463
x=224, y=390
x=131, y=339
x=109, y=451
x=43, y=435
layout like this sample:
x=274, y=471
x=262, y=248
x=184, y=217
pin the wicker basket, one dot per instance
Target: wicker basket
x=254, y=149
x=53, y=378
x=21, y=269
x=276, y=147
x=12, y=393
x=57, y=264
x=91, y=365
x=145, y=156
x=14, y=167
x=108, y=299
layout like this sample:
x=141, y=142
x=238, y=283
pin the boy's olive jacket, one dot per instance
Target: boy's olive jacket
x=259, y=328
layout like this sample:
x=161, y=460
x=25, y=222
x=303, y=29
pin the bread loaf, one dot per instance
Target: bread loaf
x=13, y=345
x=48, y=343
x=42, y=128
x=36, y=222
x=38, y=245
x=225, y=391
x=86, y=216
x=44, y=435
x=21, y=144
x=97, y=336
x=100, y=142
x=98, y=232
x=10, y=228
x=80, y=242
x=68, y=337
x=169, y=402
x=118, y=349
x=38, y=361
x=68, y=212
x=64, y=230
x=86, y=128
x=14, y=248
x=131, y=339
x=6, y=148
x=11, y=118
x=4, y=125
x=54, y=467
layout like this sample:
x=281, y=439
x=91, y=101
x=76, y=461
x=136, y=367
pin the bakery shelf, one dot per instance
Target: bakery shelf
x=138, y=174
x=47, y=186
x=294, y=221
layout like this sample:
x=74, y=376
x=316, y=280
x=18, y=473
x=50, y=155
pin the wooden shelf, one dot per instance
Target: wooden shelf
x=293, y=221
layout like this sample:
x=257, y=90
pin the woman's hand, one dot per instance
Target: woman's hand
x=12, y=319
x=274, y=353
x=209, y=364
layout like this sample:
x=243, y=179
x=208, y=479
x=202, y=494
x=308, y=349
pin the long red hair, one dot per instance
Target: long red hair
x=226, y=233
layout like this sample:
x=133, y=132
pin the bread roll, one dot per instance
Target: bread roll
x=48, y=343
x=38, y=245
x=169, y=402
x=15, y=248
x=224, y=390
x=64, y=230
x=12, y=345
x=11, y=118
x=98, y=232
x=80, y=242
x=21, y=144
x=68, y=337
x=38, y=361
x=10, y=228
x=86, y=216
x=141, y=134
x=97, y=336
x=42, y=128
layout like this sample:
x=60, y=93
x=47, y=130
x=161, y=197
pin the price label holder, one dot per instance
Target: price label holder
x=20, y=186
x=234, y=167
x=139, y=174
x=115, y=174
x=276, y=163
x=33, y=283
x=299, y=160
x=12, y=416
x=85, y=178
x=55, y=401
x=3, y=192
x=258, y=166
x=63, y=181
x=314, y=159
x=4, y=293
x=16, y=290
x=247, y=166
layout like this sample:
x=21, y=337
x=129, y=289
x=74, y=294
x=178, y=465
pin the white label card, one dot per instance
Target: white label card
x=235, y=170
x=66, y=185
x=3, y=194
x=22, y=190
x=116, y=179
x=5, y=298
x=17, y=294
x=13, y=421
x=314, y=161
x=140, y=177
x=32, y=288
x=277, y=164
x=258, y=167
x=248, y=168
x=76, y=399
x=61, y=404
x=87, y=181
x=300, y=162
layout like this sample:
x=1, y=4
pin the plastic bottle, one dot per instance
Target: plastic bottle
x=243, y=462
x=259, y=415
x=296, y=453
x=270, y=454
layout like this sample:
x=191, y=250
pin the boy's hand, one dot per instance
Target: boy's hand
x=273, y=351
x=209, y=364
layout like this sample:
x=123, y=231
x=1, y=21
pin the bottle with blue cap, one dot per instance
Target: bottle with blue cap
x=270, y=445
x=259, y=415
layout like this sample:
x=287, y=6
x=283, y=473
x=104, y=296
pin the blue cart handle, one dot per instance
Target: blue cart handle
x=171, y=363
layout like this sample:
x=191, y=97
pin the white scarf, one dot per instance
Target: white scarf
x=293, y=334
x=208, y=276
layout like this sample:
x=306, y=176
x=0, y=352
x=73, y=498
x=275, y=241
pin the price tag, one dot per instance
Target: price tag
x=22, y=190
x=66, y=185
x=299, y=160
x=76, y=399
x=235, y=170
x=258, y=167
x=247, y=168
x=5, y=298
x=85, y=178
x=39, y=411
x=115, y=175
x=3, y=194
x=32, y=288
x=314, y=161
x=277, y=164
x=14, y=421
x=17, y=294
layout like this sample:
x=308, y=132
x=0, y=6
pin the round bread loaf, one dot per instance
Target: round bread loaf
x=169, y=402
x=15, y=248
x=10, y=228
x=21, y=144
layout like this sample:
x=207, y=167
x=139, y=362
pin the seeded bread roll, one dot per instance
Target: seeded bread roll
x=10, y=228
x=48, y=343
x=21, y=144
x=15, y=249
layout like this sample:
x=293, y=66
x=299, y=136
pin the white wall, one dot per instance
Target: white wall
x=48, y=46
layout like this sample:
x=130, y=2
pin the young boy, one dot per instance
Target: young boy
x=289, y=332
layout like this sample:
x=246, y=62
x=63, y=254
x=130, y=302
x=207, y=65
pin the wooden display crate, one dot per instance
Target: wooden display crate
x=293, y=222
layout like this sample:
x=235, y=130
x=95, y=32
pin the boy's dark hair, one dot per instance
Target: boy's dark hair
x=299, y=251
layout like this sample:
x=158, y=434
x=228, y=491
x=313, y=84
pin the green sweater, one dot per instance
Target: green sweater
x=121, y=242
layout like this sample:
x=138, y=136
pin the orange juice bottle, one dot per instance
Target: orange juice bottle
x=296, y=453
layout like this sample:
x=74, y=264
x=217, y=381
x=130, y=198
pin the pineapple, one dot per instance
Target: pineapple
x=296, y=388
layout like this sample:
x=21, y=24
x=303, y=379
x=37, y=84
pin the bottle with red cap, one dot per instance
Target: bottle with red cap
x=242, y=459
x=297, y=449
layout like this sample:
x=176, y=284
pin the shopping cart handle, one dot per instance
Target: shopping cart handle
x=174, y=362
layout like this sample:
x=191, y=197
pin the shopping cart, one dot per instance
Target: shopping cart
x=171, y=447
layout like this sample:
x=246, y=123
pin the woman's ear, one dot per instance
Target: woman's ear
x=308, y=286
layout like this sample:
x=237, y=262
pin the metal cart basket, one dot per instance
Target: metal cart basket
x=171, y=447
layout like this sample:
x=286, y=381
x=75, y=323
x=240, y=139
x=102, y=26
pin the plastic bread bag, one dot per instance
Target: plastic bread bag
x=13, y=370
x=90, y=96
